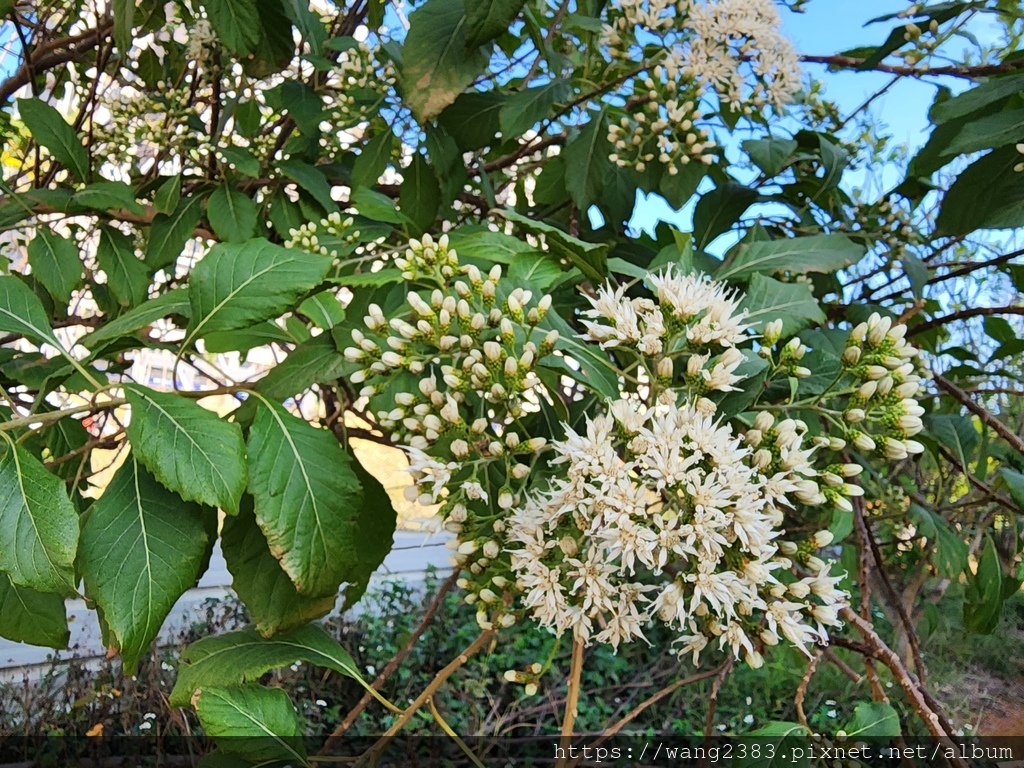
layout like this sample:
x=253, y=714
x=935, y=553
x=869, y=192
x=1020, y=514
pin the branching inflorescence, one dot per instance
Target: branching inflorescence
x=664, y=504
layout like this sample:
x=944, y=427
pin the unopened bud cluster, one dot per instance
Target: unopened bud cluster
x=360, y=83
x=333, y=236
x=883, y=414
x=456, y=372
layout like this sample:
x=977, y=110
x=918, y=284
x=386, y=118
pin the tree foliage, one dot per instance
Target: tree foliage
x=197, y=180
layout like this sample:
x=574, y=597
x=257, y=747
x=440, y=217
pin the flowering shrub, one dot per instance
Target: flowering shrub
x=247, y=239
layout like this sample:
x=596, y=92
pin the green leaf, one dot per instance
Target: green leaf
x=142, y=547
x=374, y=205
x=52, y=131
x=528, y=107
x=488, y=19
x=127, y=275
x=304, y=105
x=239, y=285
x=976, y=98
x=817, y=253
x=108, y=195
x=309, y=179
x=718, y=210
x=124, y=22
x=989, y=132
x=473, y=119
x=956, y=433
x=782, y=737
x=323, y=310
x=244, y=339
x=1015, y=482
x=30, y=616
x=189, y=449
x=232, y=214
x=307, y=498
x=983, y=597
x=989, y=194
x=236, y=23
x=308, y=24
x=420, y=195
x=38, y=524
x=369, y=279
x=436, y=65
x=768, y=299
x=167, y=195
x=22, y=312
x=917, y=273
x=376, y=525
x=234, y=658
x=834, y=159
x=55, y=264
x=483, y=243
x=253, y=722
x=169, y=233
x=595, y=371
x=260, y=582
x=591, y=258
x=174, y=302
x=241, y=160
x=275, y=46
x=770, y=154
x=538, y=271
x=373, y=159
x=586, y=160
x=949, y=550
x=873, y=718
x=312, y=362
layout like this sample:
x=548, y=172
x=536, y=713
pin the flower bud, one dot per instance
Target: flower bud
x=772, y=332
x=822, y=539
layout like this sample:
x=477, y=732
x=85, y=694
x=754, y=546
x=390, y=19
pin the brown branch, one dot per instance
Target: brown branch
x=966, y=269
x=1001, y=429
x=392, y=665
x=963, y=314
x=650, y=702
x=801, y=690
x=572, y=699
x=967, y=71
x=864, y=578
x=894, y=598
x=716, y=686
x=439, y=679
x=932, y=719
x=53, y=54
x=843, y=667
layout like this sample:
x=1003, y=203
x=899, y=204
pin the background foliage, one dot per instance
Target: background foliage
x=211, y=178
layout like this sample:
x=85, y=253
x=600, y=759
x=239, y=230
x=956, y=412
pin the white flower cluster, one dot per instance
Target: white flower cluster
x=732, y=47
x=667, y=491
x=360, y=82
x=337, y=235
x=658, y=508
x=738, y=49
x=669, y=135
x=883, y=415
x=201, y=39
x=474, y=356
x=695, y=321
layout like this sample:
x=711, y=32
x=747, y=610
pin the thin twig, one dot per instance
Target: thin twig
x=801, y=690
x=1003, y=431
x=393, y=664
x=439, y=679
